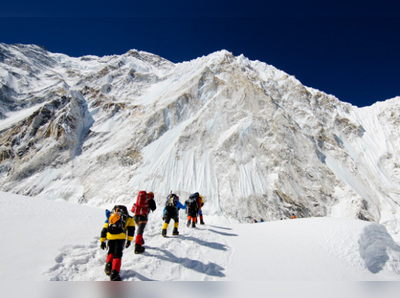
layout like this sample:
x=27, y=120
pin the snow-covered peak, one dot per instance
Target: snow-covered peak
x=249, y=137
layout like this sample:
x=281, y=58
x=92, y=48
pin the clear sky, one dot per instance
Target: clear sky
x=357, y=59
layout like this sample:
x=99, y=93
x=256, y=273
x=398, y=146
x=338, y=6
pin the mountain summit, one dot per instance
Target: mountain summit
x=253, y=140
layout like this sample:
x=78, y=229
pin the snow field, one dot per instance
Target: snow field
x=37, y=229
x=59, y=241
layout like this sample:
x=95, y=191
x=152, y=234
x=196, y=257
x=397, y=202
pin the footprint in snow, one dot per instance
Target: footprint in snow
x=78, y=262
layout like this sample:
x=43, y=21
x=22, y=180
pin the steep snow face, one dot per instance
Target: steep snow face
x=250, y=138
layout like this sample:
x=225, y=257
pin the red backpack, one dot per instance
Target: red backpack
x=142, y=204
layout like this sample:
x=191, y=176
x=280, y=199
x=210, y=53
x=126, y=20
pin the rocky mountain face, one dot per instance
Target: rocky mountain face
x=250, y=138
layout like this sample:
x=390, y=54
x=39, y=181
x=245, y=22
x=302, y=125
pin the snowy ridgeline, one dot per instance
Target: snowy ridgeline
x=250, y=138
x=56, y=240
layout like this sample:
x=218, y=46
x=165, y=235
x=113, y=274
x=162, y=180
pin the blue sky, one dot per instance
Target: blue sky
x=354, y=58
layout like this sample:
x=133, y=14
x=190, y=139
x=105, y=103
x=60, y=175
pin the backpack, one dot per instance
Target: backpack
x=192, y=202
x=171, y=202
x=141, y=207
x=117, y=219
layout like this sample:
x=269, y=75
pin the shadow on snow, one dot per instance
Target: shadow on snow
x=222, y=233
x=214, y=245
x=211, y=269
x=375, y=245
x=130, y=273
x=224, y=228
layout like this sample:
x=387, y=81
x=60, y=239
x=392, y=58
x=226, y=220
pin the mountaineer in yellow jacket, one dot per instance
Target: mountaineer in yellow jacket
x=118, y=230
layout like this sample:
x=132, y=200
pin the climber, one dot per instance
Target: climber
x=118, y=230
x=192, y=209
x=200, y=202
x=171, y=210
x=144, y=202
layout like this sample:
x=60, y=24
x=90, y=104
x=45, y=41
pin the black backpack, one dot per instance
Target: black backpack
x=192, y=203
x=171, y=202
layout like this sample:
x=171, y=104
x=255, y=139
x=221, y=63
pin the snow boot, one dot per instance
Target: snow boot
x=164, y=232
x=114, y=276
x=138, y=249
x=175, y=232
x=107, y=268
x=201, y=222
x=188, y=223
x=193, y=224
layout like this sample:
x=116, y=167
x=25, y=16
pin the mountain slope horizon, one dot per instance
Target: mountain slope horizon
x=250, y=138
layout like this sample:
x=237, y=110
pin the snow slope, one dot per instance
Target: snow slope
x=37, y=229
x=250, y=138
x=56, y=240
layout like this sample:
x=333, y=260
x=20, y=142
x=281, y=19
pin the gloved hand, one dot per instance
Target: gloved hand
x=128, y=243
x=103, y=245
